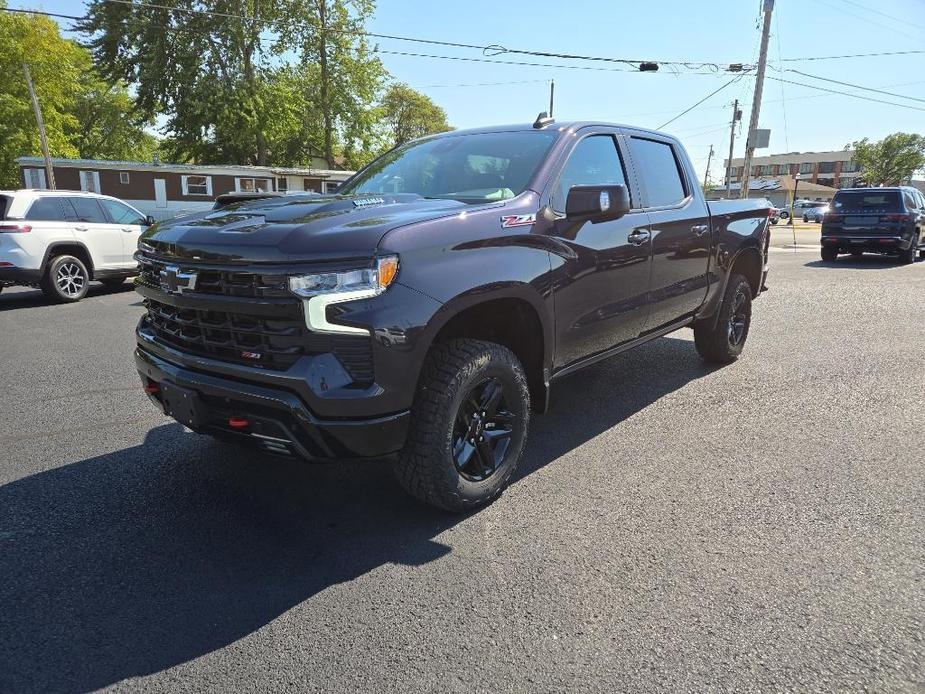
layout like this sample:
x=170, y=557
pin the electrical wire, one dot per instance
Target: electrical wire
x=490, y=50
x=884, y=14
x=852, y=55
x=691, y=108
x=481, y=84
x=855, y=86
x=868, y=20
x=854, y=96
x=783, y=97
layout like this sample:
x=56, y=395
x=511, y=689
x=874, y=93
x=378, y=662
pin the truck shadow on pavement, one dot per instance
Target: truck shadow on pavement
x=130, y=563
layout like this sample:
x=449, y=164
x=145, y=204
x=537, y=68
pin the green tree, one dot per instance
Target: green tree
x=342, y=75
x=408, y=114
x=77, y=106
x=892, y=160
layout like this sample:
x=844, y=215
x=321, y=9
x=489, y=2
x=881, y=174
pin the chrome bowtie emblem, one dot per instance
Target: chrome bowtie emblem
x=175, y=282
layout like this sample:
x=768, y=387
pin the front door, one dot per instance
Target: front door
x=601, y=284
x=680, y=226
x=160, y=192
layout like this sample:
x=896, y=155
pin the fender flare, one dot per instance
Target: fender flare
x=57, y=244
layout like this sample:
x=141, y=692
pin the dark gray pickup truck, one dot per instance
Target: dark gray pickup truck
x=426, y=309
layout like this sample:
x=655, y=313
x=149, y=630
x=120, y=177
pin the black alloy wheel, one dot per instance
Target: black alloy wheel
x=483, y=429
x=738, y=318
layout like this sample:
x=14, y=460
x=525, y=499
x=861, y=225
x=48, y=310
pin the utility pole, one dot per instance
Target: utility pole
x=706, y=176
x=736, y=117
x=49, y=169
x=552, y=93
x=756, y=100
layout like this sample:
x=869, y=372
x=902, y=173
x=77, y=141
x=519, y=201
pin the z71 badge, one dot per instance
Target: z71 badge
x=518, y=220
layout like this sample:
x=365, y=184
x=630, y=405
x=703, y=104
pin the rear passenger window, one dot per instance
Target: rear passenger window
x=46, y=209
x=595, y=161
x=88, y=210
x=122, y=214
x=658, y=167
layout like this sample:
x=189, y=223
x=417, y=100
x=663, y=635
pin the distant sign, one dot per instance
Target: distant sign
x=760, y=139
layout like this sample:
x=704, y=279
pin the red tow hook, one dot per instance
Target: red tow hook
x=238, y=422
x=152, y=388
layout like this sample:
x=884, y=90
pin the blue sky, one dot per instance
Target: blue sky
x=720, y=31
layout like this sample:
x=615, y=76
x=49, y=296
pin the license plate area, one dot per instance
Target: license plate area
x=182, y=404
x=861, y=221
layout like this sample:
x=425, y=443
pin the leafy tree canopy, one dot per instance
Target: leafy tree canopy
x=891, y=161
x=84, y=115
x=408, y=114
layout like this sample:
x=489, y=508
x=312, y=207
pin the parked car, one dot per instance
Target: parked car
x=875, y=220
x=816, y=213
x=426, y=310
x=62, y=240
x=799, y=207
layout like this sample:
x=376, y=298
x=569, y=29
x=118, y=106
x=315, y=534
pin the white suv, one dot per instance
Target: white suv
x=59, y=240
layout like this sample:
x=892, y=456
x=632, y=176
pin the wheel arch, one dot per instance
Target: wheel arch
x=75, y=248
x=515, y=317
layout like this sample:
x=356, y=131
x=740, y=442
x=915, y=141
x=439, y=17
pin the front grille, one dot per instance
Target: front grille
x=222, y=282
x=242, y=337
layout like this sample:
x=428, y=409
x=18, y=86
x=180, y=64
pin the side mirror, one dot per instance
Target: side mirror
x=597, y=203
x=150, y=221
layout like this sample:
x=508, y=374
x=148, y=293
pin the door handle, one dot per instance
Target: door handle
x=80, y=228
x=638, y=237
x=700, y=229
x=127, y=230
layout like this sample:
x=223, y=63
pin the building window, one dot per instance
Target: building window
x=282, y=184
x=331, y=186
x=827, y=167
x=850, y=167
x=807, y=167
x=90, y=181
x=35, y=178
x=123, y=177
x=196, y=185
x=251, y=185
x=312, y=184
x=766, y=170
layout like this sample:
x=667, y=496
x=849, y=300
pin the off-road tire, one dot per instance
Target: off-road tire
x=713, y=336
x=829, y=255
x=51, y=286
x=426, y=468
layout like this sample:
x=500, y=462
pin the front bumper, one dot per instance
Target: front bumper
x=277, y=420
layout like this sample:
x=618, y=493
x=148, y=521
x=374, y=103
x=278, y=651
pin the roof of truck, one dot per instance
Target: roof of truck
x=560, y=126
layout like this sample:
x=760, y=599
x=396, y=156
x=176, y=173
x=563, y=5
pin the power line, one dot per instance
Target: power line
x=855, y=86
x=489, y=50
x=854, y=96
x=43, y=14
x=884, y=14
x=482, y=84
x=852, y=55
x=691, y=108
x=868, y=20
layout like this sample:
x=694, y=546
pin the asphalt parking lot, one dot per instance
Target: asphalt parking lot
x=673, y=528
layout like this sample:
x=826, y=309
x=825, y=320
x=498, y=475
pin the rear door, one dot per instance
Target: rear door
x=48, y=219
x=92, y=228
x=602, y=289
x=680, y=223
x=130, y=223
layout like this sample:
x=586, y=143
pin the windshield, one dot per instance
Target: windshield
x=873, y=200
x=471, y=168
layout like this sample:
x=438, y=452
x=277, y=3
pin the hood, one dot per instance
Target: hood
x=292, y=228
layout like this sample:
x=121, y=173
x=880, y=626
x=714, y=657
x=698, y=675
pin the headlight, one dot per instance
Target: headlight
x=375, y=279
x=322, y=289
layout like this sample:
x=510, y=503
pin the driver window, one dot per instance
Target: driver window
x=595, y=161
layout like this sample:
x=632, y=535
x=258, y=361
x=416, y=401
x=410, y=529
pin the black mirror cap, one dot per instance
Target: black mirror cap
x=150, y=221
x=597, y=203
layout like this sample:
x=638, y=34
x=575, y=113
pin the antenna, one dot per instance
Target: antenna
x=542, y=120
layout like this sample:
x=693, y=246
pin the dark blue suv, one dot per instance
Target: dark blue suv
x=875, y=220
